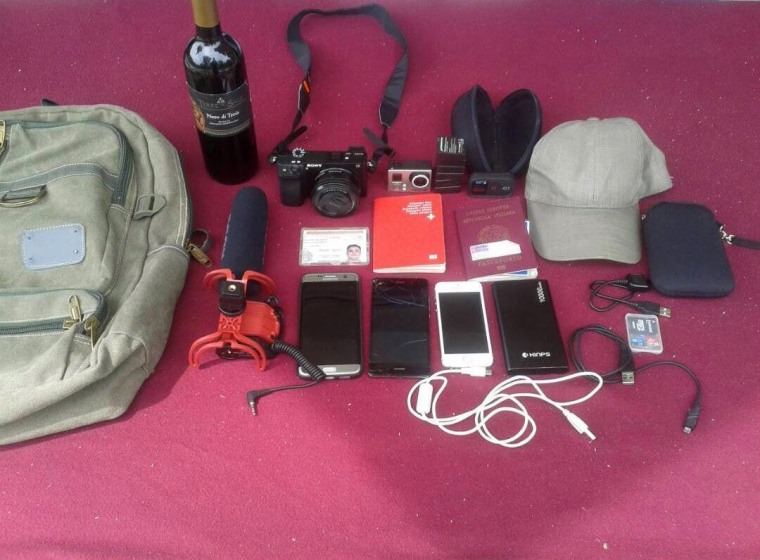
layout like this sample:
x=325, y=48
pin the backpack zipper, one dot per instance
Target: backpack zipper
x=84, y=322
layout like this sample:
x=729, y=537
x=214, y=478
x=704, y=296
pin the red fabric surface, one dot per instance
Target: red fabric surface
x=342, y=470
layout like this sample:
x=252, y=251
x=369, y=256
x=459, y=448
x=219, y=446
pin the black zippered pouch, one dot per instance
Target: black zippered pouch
x=687, y=257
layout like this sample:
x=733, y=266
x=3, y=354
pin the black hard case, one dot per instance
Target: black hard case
x=685, y=250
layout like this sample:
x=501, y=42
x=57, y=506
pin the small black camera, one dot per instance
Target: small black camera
x=334, y=180
x=491, y=184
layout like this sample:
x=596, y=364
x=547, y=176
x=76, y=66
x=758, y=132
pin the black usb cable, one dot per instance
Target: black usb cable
x=626, y=371
x=630, y=285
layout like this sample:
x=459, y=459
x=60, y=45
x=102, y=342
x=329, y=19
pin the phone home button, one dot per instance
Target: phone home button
x=329, y=369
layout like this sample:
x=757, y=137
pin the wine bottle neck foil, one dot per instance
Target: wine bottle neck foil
x=205, y=13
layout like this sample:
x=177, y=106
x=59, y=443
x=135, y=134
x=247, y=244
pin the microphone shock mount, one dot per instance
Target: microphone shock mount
x=247, y=326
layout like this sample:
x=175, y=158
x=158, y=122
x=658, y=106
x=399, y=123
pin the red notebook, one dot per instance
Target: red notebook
x=408, y=234
x=494, y=240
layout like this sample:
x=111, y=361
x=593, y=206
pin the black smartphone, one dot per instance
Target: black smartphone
x=330, y=324
x=400, y=328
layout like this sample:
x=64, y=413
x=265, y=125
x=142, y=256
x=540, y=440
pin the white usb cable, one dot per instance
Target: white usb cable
x=498, y=401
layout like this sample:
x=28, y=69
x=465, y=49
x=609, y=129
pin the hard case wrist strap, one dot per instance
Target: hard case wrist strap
x=738, y=241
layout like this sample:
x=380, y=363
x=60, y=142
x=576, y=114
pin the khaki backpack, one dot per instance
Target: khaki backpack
x=95, y=222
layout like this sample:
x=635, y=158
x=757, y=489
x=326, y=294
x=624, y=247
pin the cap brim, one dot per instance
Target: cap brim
x=572, y=234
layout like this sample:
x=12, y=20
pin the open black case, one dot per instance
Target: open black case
x=501, y=139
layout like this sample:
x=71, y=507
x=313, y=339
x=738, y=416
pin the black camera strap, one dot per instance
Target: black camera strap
x=394, y=88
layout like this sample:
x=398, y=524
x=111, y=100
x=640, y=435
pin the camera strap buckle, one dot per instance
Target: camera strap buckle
x=381, y=148
x=282, y=147
x=394, y=88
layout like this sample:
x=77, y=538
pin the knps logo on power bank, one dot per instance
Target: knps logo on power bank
x=536, y=354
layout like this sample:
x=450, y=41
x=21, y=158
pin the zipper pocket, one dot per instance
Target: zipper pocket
x=118, y=181
x=32, y=313
x=83, y=170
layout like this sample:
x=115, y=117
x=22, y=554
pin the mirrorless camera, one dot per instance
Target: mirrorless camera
x=333, y=180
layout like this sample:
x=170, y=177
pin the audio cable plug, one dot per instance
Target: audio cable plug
x=254, y=396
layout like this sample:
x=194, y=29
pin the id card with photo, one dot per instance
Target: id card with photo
x=334, y=246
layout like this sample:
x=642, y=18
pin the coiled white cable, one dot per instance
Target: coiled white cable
x=498, y=401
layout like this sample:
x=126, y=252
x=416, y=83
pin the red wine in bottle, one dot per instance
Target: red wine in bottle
x=218, y=86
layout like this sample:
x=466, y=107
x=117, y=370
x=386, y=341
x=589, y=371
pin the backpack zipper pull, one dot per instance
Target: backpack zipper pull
x=75, y=311
x=198, y=250
x=198, y=254
x=2, y=137
x=92, y=327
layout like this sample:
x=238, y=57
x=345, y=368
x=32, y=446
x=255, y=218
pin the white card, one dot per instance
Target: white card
x=494, y=249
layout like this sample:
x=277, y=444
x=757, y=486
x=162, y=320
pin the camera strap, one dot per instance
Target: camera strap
x=389, y=105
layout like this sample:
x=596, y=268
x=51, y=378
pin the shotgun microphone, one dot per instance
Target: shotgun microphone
x=246, y=233
x=250, y=316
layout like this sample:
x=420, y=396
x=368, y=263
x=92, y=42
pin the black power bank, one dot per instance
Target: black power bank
x=530, y=333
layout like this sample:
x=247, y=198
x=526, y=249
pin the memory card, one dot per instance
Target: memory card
x=643, y=333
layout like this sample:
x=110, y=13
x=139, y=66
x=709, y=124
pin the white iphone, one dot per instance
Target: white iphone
x=462, y=325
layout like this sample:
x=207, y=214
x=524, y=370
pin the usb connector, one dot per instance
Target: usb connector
x=476, y=371
x=692, y=417
x=580, y=426
x=651, y=308
x=637, y=283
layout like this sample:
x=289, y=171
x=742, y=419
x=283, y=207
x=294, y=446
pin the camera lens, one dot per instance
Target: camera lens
x=335, y=193
x=420, y=181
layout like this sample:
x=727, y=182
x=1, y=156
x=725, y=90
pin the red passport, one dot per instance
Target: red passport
x=408, y=234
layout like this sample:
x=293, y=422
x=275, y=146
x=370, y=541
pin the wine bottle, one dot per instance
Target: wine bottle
x=218, y=86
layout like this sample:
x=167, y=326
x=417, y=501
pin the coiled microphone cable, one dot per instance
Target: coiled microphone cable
x=314, y=371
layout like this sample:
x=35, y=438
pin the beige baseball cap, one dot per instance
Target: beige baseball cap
x=583, y=187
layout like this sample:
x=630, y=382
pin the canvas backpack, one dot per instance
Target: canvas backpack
x=95, y=222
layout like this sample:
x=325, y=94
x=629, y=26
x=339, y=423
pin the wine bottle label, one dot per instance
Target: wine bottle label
x=222, y=114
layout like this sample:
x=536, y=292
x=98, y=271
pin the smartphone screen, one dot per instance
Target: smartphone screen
x=330, y=324
x=462, y=324
x=400, y=328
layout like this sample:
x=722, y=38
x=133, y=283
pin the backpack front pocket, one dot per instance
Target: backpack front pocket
x=65, y=190
x=47, y=335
